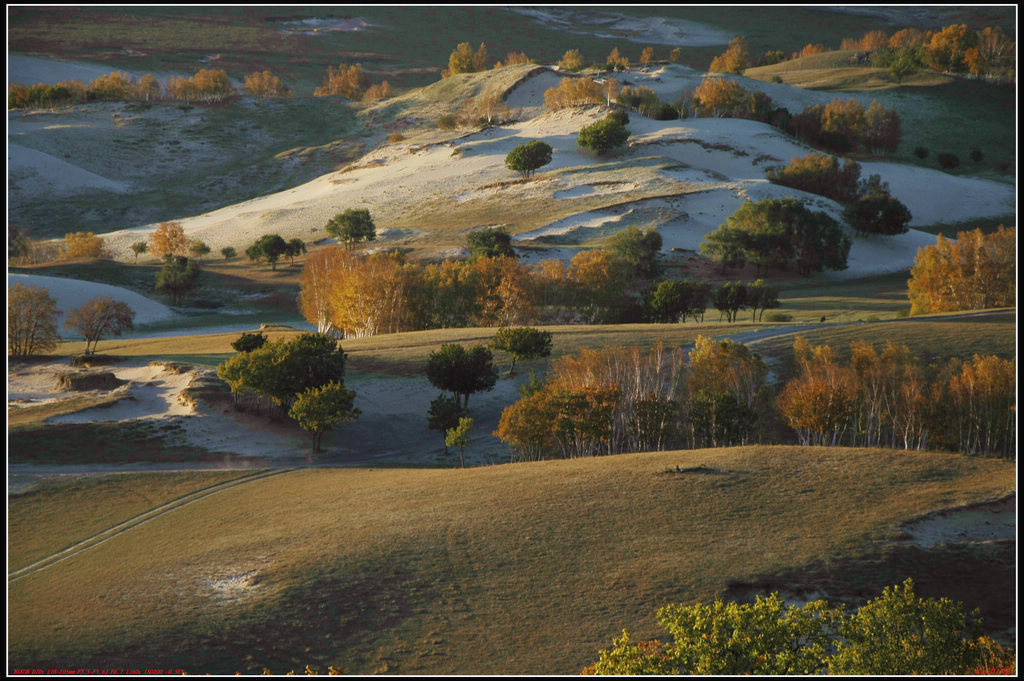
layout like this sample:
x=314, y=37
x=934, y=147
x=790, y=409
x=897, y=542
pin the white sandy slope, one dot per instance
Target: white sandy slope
x=721, y=162
x=53, y=175
x=73, y=293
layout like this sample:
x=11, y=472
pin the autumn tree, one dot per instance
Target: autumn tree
x=882, y=128
x=947, y=50
x=83, y=245
x=600, y=285
x=168, y=239
x=572, y=60
x=843, y=124
x=320, y=408
x=617, y=61
x=504, y=291
x=974, y=406
x=99, y=317
x=462, y=372
x=522, y=343
x=31, y=320
x=377, y=91
x=717, y=97
x=352, y=226
x=344, y=81
x=733, y=60
x=525, y=159
x=647, y=56
x=372, y=294
x=264, y=84
x=464, y=60
x=993, y=56
x=976, y=271
x=819, y=174
x=819, y=403
x=573, y=92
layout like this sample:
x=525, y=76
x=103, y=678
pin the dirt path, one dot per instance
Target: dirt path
x=136, y=521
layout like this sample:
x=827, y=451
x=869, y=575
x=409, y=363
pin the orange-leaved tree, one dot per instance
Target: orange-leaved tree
x=169, y=238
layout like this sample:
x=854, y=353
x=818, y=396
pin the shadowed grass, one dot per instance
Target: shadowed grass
x=44, y=521
x=526, y=568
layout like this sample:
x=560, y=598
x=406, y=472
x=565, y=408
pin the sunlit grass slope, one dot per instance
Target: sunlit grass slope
x=527, y=568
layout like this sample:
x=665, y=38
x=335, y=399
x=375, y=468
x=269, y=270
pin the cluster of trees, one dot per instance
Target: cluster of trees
x=612, y=400
x=887, y=400
x=271, y=247
x=645, y=102
x=976, y=271
x=896, y=633
x=777, y=233
x=264, y=84
x=464, y=59
x=207, y=85
x=32, y=320
x=842, y=126
x=581, y=91
x=733, y=60
x=723, y=98
x=573, y=60
x=869, y=207
x=344, y=81
x=84, y=245
x=303, y=377
x=988, y=53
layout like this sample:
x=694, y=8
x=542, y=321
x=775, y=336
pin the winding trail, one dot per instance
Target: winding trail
x=136, y=521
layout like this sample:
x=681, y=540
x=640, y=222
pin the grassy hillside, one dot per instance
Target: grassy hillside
x=506, y=569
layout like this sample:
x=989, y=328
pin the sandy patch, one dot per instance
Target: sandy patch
x=976, y=523
x=73, y=293
x=153, y=392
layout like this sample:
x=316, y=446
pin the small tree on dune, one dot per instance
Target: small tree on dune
x=459, y=437
x=527, y=158
x=138, y=248
x=269, y=247
x=352, y=226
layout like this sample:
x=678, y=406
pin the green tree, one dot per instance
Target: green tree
x=99, y=317
x=462, y=372
x=490, y=242
x=294, y=248
x=352, y=226
x=459, y=437
x=876, y=211
x=269, y=247
x=603, y=136
x=31, y=320
x=444, y=415
x=228, y=252
x=321, y=408
x=177, y=276
x=138, y=248
x=522, y=343
x=901, y=633
x=766, y=637
x=527, y=158
x=639, y=249
x=198, y=249
x=672, y=301
x=730, y=298
x=248, y=342
x=762, y=296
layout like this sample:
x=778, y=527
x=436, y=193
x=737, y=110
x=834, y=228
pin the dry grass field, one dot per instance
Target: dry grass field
x=526, y=568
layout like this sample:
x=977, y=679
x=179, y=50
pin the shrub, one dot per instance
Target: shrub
x=948, y=161
x=778, y=317
x=527, y=158
x=921, y=152
x=977, y=156
x=448, y=122
x=603, y=136
x=395, y=137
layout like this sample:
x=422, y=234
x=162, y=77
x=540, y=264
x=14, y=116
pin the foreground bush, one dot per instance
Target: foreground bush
x=896, y=633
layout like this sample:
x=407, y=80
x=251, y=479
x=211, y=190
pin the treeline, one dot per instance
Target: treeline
x=839, y=126
x=617, y=400
x=614, y=400
x=886, y=400
x=355, y=295
x=988, y=53
x=207, y=85
x=976, y=271
x=868, y=206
